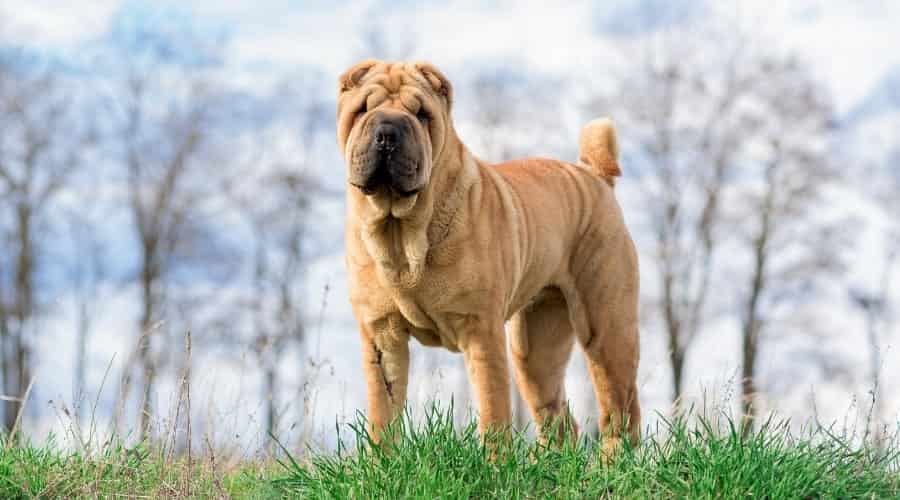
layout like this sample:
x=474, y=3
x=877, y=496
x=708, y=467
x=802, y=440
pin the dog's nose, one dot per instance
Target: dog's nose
x=386, y=136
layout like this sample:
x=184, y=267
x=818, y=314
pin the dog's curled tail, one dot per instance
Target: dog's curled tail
x=598, y=149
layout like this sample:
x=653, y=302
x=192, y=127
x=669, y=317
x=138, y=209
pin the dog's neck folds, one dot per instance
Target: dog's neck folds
x=398, y=246
x=398, y=232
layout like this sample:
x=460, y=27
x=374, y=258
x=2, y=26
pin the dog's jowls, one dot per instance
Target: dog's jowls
x=446, y=248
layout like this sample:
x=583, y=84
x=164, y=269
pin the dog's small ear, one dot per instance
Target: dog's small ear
x=353, y=76
x=439, y=83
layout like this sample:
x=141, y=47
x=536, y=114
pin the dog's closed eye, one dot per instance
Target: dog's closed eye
x=423, y=116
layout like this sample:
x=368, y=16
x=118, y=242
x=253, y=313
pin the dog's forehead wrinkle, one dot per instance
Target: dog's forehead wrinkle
x=393, y=77
x=403, y=75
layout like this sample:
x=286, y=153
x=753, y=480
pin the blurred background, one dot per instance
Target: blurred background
x=172, y=203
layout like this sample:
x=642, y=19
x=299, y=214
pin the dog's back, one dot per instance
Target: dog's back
x=598, y=152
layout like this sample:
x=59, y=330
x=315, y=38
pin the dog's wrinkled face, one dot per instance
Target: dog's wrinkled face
x=392, y=124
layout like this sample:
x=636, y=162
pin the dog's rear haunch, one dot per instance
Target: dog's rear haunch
x=446, y=248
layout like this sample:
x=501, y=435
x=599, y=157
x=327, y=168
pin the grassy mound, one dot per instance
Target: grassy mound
x=686, y=459
x=431, y=460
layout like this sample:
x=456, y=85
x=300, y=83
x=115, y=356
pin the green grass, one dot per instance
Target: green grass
x=432, y=460
x=117, y=471
x=690, y=461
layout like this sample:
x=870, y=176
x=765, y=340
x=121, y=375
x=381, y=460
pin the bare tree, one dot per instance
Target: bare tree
x=678, y=101
x=279, y=230
x=167, y=108
x=273, y=195
x=39, y=152
x=791, y=246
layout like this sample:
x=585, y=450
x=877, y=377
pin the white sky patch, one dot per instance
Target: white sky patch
x=55, y=24
x=852, y=45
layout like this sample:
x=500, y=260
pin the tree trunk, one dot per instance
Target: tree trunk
x=5, y=363
x=18, y=355
x=676, y=357
x=147, y=381
x=16, y=376
x=271, y=403
x=145, y=352
x=750, y=338
x=752, y=322
x=673, y=333
x=751, y=329
x=748, y=384
x=9, y=380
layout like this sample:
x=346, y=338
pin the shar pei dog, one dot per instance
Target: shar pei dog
x=447, y=248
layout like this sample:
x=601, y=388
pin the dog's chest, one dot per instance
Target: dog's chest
x=428, y=291
x=432, y=312
x=431, y=315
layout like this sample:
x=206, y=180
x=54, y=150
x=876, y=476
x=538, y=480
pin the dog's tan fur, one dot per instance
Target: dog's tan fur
x=541, y=243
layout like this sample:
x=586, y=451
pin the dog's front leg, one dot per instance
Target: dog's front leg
x=485, y=354
x=386, y=367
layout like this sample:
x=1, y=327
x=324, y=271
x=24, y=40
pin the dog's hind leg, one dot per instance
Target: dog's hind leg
x=605, y=315
x=541, y=340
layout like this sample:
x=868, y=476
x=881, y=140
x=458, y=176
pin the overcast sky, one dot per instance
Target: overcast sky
x=852, y=43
